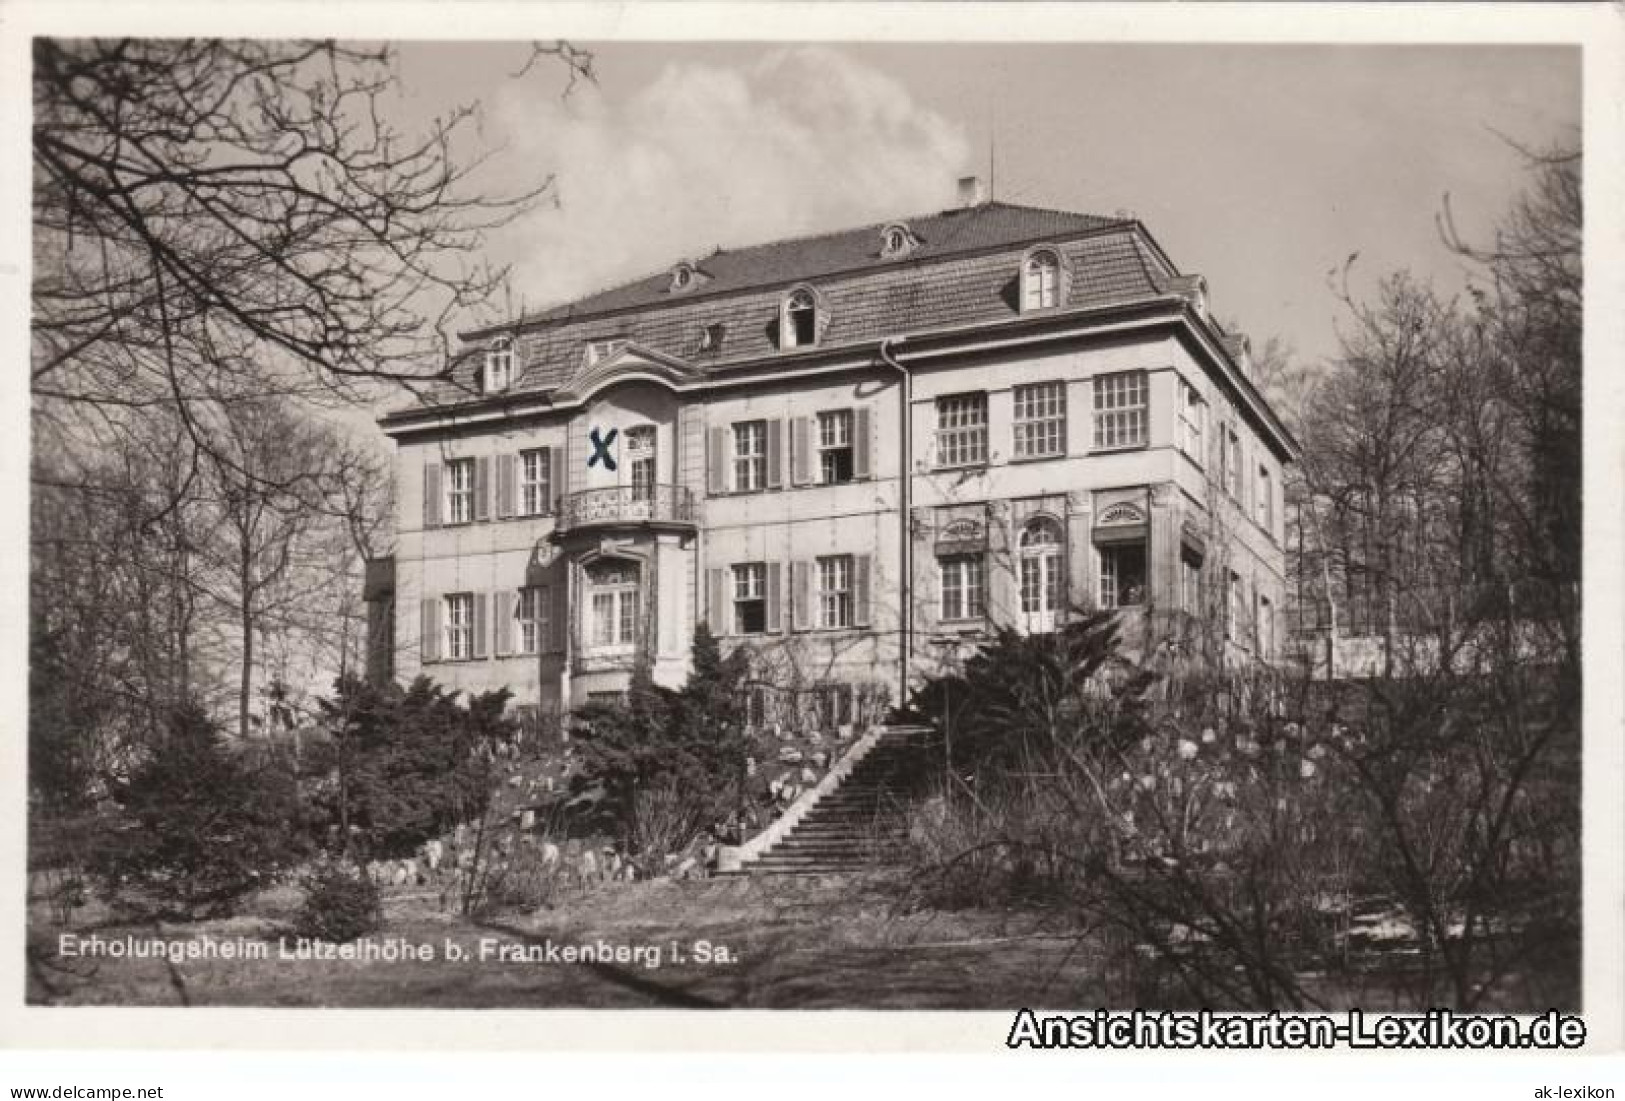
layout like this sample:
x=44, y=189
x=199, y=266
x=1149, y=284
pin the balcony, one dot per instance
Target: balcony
x=627, y=506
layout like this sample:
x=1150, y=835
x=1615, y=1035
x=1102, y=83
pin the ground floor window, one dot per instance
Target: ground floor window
x=1190, y=583
x=835, y=591
x=1041, y=563
x=962, y=581
x=460, y=626
x=1122, y=575
x=831, y=705
x=1266, y=627
x=750, y=598
x=613, y=593
x=531, y=616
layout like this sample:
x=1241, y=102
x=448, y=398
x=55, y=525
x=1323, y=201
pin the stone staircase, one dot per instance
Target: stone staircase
x=855, y=824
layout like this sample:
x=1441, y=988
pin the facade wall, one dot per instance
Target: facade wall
x=1166, y=502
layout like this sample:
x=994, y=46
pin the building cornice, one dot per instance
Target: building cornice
x=1172, y=312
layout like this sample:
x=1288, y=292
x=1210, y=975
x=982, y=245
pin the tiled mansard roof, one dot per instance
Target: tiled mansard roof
x=963, y=269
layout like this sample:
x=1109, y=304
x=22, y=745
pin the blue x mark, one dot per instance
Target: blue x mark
x=600, y=448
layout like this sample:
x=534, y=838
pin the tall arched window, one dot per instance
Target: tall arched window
x=1041, y=571
x=1041, y=281
x=799, y=325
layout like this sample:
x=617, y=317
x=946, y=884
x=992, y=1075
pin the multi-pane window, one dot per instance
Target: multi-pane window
x=962, y=430
x=535, y=481
x=640, y=456
x=1190, y=584
x=460, y=491
x=832, y=705
x=613, y=587
x=1041, y=282
x=1122, y=575
x=1230, y=461
x=750, y=455
x=1192, y=419
x=835, y=591
x=1041, y=567
x=1266, y=499
x=1121, y=416
x=531, y=615
x=460, y=626
x=962, y=578
x=800, y=320
x=1040, y=418
x=835, y=446
x=499, y=366
x=750, y=598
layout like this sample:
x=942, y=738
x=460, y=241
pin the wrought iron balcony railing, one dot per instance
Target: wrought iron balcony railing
x=643, y=504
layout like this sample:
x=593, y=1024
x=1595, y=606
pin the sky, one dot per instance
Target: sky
x=1261, y=167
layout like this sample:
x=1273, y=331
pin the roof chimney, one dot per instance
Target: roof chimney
x=971, y=192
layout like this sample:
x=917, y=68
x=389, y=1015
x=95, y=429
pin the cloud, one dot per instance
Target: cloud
x=802, y=141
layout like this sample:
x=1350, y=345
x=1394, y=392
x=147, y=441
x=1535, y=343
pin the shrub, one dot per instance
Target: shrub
x=407, y=765
x=521, y=881
x=341, y=904
x=664, y=766
x=204, y=828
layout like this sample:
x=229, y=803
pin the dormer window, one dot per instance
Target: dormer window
x=1040, y=281
x=682, y=277
x=600, y=350
x=711, y=337
x=896, y=240
x=798, y=322
x=498, y=366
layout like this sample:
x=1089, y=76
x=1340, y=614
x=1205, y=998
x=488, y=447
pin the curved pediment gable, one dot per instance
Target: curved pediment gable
x=630, y=361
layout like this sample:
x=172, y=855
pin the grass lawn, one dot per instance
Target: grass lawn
x=759, y=943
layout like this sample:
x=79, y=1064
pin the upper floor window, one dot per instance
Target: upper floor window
x=535, y=481
x=459, y=626
x=460, y=491
x=682, y=277
x=962, y=430
x=640, y=456
x=835, y=446
x=750, y=598
x=750, y=456
x=1230, y=461
x=1041, y=281
x=962, y=579
x=499, y=366
x=1266, y=499
x=1121, y=413
x=799, y=324
x=835, y=591
x=1192, y=420
x=1040, y=420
